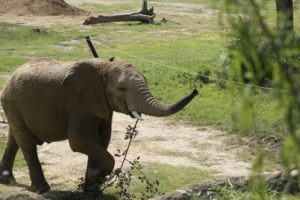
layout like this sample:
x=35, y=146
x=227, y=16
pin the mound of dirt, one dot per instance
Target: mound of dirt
x=38, y=7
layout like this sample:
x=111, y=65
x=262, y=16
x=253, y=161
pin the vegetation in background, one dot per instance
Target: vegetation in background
x=263, y=52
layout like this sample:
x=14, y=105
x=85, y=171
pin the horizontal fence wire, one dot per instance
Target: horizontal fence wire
x=189, y=72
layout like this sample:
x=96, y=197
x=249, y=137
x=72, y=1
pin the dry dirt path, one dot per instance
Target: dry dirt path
x=162, y=9
x=159, y=140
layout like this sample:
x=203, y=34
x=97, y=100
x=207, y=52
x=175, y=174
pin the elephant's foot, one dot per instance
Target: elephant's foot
x=40, y=187
x=93, y=182
x=92, y=188
x=6, y=177
x=95, y=176
x=92, y=176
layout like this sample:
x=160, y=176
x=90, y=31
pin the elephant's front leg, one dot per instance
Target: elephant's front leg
x=91, y=176
x=85, y=137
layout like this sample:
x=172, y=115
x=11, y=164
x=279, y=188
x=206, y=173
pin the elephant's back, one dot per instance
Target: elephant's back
x=41, y=70
x=32, y=75
x=33, y=93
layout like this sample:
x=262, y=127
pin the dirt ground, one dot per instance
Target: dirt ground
x=186, y=145
x=47, y=21
x=38, y=8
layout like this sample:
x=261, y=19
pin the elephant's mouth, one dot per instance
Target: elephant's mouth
x=130, y=114
x=137, y=115
x=134, y=114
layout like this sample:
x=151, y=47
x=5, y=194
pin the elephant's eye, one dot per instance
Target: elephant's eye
x=123, y=89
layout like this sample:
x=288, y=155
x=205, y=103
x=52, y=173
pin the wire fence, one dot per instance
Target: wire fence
x=157, y=64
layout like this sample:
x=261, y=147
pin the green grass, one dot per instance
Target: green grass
x=20, y=44
x=174, y=153
x=111, y=8
x=197, y=158
x=19, y=162
x=191, y=44
x=170, y=177
x=244, y=156
x=157, y=138
x=186, y=1
x=2, y=81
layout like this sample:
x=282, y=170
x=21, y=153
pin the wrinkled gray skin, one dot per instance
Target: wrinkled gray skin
x=50, y=100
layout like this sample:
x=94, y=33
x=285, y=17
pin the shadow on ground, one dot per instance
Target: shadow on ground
x=71, y=195
x=61, y=195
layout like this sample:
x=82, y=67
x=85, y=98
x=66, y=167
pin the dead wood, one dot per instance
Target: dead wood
x=145, y=15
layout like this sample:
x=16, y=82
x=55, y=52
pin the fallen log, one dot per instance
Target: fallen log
x=118, y=18
x=145, y=15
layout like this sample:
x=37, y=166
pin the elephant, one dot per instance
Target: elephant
x=47, y=100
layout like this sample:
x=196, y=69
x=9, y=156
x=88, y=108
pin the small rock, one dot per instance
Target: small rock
x=37, y=30
x=294, y=172
x=181, y=191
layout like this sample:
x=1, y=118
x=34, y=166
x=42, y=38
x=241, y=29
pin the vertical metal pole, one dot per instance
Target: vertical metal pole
x=89, y=42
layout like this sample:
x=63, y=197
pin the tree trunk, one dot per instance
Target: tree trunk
x=145, y=15
x=285, y=15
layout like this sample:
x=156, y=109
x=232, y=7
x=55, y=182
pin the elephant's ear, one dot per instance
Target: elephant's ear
x=84, y=88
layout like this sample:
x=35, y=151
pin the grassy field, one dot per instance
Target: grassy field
x=165, y=175
x=194, y=44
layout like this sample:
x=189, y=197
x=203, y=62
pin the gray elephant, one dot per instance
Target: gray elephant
x=49, y=100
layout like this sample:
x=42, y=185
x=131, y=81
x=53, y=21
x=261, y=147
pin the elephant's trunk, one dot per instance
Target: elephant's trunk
x=150, y=106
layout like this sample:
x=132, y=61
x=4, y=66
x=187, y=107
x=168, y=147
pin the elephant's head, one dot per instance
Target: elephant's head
x=101, y=87
x=128, y=93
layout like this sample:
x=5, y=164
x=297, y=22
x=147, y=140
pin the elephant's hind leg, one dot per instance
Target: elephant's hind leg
x=7, y=162
x=28, y=144
x=38, y=181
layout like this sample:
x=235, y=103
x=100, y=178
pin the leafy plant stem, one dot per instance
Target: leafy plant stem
x=129, y=143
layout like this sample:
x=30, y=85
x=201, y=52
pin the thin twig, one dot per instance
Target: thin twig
x=129, y=143
x=132, y=164
x=113, y=177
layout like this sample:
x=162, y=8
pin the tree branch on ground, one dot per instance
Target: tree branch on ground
x=145, y=15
